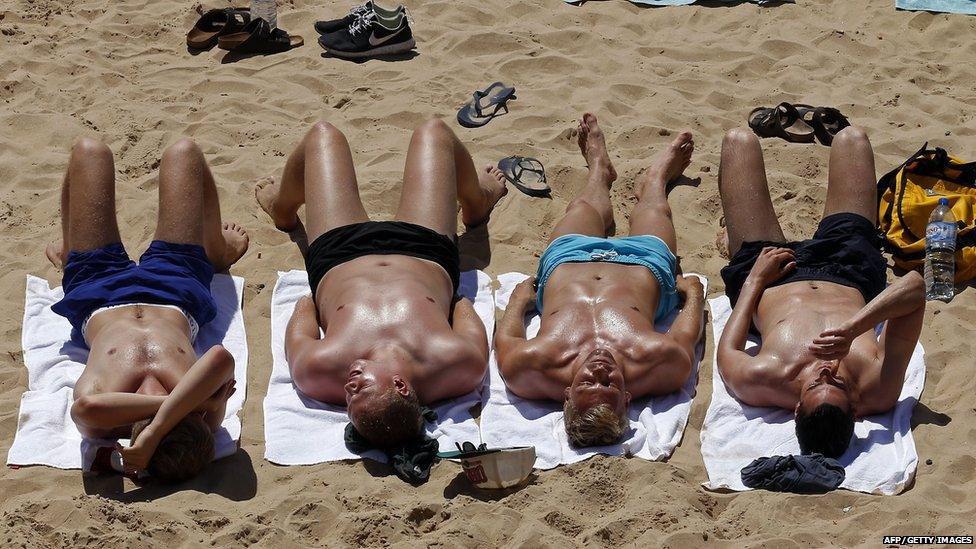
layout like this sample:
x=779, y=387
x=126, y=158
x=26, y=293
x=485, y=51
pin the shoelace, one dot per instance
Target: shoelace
x=363, y=22
x=359, y=10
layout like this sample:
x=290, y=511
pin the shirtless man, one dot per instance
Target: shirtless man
x=143, y=379
x=815, y=302
x=597, y=345
x=384, y=292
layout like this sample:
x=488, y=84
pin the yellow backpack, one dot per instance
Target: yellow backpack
x=908, y=194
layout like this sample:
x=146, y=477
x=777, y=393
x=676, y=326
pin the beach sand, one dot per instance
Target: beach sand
x=121, y=71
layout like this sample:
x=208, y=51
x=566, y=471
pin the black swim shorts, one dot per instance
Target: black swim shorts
x=348, y=242
x=846, y=250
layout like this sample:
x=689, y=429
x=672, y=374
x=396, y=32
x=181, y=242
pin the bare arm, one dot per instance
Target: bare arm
x=902, y=305
x=468, y=326
x=688, y=328
x=302, y=332
x=522, y=362
x=95, y=415
x=207, y=375
x=744, y=374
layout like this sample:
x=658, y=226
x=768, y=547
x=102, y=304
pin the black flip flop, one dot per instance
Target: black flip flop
x=828, y=121
x=526, y=174
x=783, y=121
x=216, y=23
x=485, y=105
x=257, y=37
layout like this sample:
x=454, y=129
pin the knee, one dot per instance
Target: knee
x=434, y=128
x=90, y=148
x=851, y=135
x=183, y=148
x=739, y=137
x=323, y=132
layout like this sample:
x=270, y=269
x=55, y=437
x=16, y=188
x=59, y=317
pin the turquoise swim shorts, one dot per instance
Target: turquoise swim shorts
x=648, y=251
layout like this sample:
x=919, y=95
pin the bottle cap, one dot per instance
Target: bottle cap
x=943, y=202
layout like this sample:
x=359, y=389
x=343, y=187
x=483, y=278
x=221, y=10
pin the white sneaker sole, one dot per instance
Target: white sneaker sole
x=399, y=47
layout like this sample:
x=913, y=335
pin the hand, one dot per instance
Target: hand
x=218, y=399
x=772, y=265
x=833, y=344
x=524, y=293
x=136, y=457
x=690, y=286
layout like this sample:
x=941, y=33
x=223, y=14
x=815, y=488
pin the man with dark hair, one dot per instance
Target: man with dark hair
x=143, y=379
x=384, y=292
x=815, y=302
x=596, y=344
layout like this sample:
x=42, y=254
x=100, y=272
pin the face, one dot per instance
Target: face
x=368, y=379
x=826, y=388
x=599, y=380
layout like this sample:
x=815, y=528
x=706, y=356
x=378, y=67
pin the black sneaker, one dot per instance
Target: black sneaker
x=370, y=36
x=335, y=25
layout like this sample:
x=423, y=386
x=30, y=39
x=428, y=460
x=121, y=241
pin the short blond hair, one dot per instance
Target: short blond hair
x=597, y=426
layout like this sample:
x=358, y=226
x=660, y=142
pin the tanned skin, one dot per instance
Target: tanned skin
x=388, y=319
x=597, y=343
x=141, y=363
x=818, y=340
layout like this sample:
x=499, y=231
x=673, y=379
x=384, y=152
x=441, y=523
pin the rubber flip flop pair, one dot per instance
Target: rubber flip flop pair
x=486, y=105
x=216, y=23
x=798, y=123
x=526, y=174
x=258, y=37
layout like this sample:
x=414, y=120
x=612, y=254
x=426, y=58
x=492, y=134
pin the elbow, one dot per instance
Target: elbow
x=84, y=411
x=223, y=360
x=916, y=284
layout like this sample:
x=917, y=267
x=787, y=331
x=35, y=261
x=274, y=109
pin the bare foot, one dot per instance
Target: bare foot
x=593, y=145
x=55, y=254
x=236, y=239
x=671, y=162
x=492, y=183
x=266, y=192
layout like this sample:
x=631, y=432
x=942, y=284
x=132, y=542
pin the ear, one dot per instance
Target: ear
x=627, y=399
x=401, y=386
x=796, y=409
x=566, y=393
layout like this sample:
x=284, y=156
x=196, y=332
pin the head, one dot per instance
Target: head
x=825, y=412
x=595, y=410
x=183, y=452
x=382, y=405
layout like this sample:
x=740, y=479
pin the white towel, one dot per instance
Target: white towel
x=656, y=423
x=46, y=434
x=880, y=460
x=302, y=431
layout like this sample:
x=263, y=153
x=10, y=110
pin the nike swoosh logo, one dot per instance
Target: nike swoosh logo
x=373, y=41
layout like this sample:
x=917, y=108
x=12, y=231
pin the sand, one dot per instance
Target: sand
x=120, y=70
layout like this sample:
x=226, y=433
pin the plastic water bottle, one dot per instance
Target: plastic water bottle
x=940, y=253
x=265, y=9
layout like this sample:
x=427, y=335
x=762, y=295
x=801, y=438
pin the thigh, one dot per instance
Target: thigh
x=851, y=181
x=580, y=218
x=429, y=195
x=182, y=171
x=90, y=192
x=748, y=209
x=331, y=188
x=655, y=220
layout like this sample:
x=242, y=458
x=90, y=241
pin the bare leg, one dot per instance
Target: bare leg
x=439, y=174
x=749, y=213
x=652, y=213
x=189, y=210
x=591, y=213
x=320, y=173
x=851, y=181
x=87, y=201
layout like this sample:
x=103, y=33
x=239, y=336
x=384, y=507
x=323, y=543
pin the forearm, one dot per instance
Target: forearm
x=201, y=381
x=468, y=326
x=215, y=417
x=111, y=410
x=513, y=321
x=737, y=328
x=302, y=327
x=904, y=297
